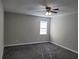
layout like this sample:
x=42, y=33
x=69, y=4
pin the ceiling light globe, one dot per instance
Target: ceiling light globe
x=47, y=14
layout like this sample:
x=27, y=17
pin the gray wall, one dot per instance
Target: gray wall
x=20, y=29
x=1, y=30
x=64, y=30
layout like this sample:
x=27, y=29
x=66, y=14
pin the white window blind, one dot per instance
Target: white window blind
x=43, y=27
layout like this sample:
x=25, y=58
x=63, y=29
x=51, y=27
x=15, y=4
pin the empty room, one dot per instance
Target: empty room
x=38, y=29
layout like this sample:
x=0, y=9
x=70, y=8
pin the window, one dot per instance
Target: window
x=43, y=27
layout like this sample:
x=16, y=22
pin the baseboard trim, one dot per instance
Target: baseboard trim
x=25, y=43
x=65, y=47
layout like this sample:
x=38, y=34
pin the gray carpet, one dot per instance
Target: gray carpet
x=38, y=51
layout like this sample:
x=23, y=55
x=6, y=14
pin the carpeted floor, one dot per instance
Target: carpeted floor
x=38, y=51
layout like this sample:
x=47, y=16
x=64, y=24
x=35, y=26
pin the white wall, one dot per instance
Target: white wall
x=23, y=29
x=1, y=30
x=64, y=30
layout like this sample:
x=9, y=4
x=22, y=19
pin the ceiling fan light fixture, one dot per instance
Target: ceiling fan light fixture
x=48, y=14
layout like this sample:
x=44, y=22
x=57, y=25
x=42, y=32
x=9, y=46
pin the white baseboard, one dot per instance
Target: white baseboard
x=24, y=43
x=65, y=47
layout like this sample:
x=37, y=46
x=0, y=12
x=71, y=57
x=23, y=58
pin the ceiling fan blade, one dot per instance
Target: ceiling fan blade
x=54, y=12
x=56, y=9
x=40, y=11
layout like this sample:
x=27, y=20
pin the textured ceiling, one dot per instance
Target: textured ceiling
x=37, y=7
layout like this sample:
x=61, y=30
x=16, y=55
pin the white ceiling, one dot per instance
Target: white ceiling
x=37, y=7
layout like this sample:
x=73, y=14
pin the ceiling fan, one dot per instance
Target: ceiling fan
x=49, y=10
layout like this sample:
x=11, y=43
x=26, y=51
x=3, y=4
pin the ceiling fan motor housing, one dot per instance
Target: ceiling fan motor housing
x=48, y=9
